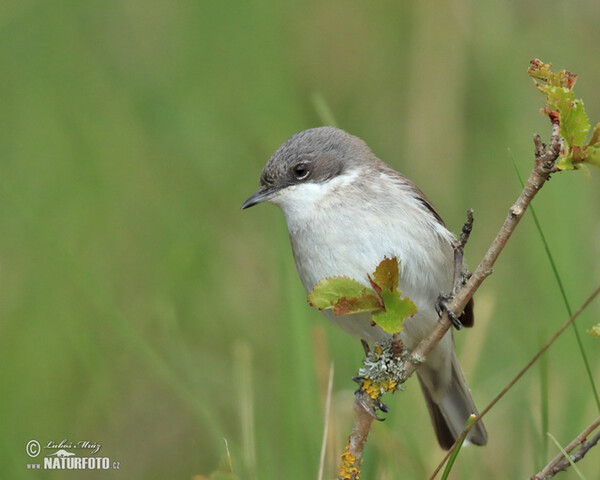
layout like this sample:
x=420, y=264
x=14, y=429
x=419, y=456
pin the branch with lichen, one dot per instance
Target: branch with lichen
x=569, y=128
x=382, y=372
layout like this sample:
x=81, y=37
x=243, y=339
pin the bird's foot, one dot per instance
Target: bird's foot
x=441, y=305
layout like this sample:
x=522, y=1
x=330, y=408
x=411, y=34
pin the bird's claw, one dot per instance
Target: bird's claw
x=370, y=405
x=365, y=346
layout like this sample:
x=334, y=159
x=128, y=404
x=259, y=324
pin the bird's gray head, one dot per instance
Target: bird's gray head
x=314, y=156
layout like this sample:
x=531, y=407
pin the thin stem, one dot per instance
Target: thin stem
x=566, y=455
x=563, y=293
x=455, y=450
x=560, y=462
x=558, y=333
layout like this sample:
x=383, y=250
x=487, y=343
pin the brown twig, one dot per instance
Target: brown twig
x=560, y=462
x=558, y=333
x=364, y=406
x=545, y=158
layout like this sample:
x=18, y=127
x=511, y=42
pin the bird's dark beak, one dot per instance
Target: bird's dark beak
x=262, y=194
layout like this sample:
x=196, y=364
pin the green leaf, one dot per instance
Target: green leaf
x=562, y=108
x=385, y=281
x=574, y=123
x=344, y=296
x=397, y=309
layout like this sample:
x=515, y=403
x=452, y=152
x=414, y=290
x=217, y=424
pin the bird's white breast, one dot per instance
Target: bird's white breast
x=346, y=227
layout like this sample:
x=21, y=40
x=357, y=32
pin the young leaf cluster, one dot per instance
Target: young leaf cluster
x=568, y=112
x=345, y=296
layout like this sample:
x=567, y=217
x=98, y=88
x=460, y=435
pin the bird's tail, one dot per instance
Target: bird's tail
x=450, y=412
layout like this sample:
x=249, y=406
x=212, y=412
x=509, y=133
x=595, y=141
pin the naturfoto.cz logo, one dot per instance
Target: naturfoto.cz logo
x=63, y=459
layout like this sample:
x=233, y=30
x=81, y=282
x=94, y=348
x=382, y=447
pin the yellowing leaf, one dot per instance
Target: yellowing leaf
x=330, y=289
x=367, y=302
x=541, y=71
x=387, y=274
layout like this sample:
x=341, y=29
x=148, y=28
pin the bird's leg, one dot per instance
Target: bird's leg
x=461, y=275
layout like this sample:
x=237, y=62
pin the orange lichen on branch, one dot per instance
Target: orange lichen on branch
x=376, y=389
x=348, y=468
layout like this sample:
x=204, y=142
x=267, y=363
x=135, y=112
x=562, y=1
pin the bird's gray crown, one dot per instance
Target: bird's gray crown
x=314, y=155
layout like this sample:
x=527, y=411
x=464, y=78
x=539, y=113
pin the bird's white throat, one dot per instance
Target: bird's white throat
x=302, y=202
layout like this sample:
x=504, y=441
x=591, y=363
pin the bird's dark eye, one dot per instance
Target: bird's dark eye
x=300, y=171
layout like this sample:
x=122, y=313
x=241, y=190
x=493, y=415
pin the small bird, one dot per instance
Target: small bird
x=346, y=210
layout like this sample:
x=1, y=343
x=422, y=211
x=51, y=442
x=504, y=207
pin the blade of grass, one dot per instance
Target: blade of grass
x=326, y=423
x=562, y=290
x=567, y=456
x=243, y=366
x=456, y=450
x=544, y=397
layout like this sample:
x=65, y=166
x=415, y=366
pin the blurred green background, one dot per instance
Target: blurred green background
x=142, y=310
